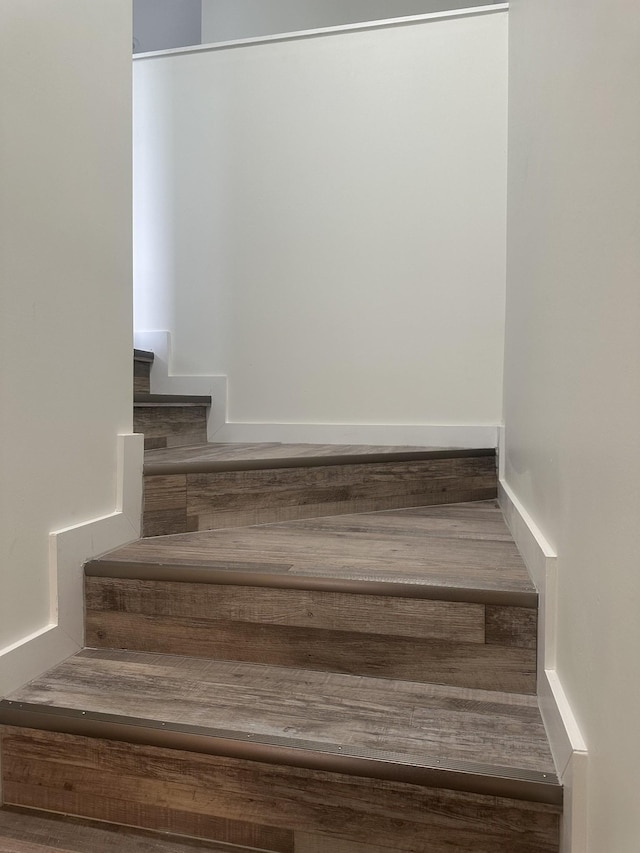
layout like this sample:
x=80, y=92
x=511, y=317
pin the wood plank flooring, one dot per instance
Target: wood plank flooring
x=26, y=831
x=458, y=643
x=131, y=783
x=430, y=595
x=186, y=496
x=171, y=426
x=458, y=547
x=141, y=377
x=239, y=451
x=419, y=723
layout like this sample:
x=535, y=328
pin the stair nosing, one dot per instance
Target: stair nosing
x=273, y=463
x=489, y=780
x=198, y=573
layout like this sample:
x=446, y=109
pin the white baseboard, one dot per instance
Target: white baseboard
x=163, y=381
x=567, y=744
x=421, y=435
x=573, y=837
x=68, y=551
x=33, y=655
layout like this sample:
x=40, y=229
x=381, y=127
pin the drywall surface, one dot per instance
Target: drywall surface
x=164, y=24
x=223, y=20
x=572, y=384
x=323, y=221
x=65, y=283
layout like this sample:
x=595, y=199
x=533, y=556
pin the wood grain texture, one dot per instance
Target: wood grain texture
x=45, y=770
x=306, y=843
x=331, y=611
x=225, y=452
x=420, y=721
x=141, y=376
x=171, y=426
x=240, y=498
x=28, y=831
x=221, y=519
x=512, y=626
x=426, y=546
x=410, y=639
x=464, y=665
x=165, y=505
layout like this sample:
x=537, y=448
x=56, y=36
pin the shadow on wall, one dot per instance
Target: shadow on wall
x=168, y=24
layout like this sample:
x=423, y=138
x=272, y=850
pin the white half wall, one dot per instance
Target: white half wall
x=565, y=738
x=224, y=20
x=323, y=221
x=572, y=386
x=65, y=317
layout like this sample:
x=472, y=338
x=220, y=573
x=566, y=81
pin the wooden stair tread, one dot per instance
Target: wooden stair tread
x=27, y=831
x=244, y=456
x=457, y=552
x=403, y=730
x=144, y=399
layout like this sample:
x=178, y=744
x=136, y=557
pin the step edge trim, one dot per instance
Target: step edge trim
x=217, y=466
x=194, y=573
x=467, y=776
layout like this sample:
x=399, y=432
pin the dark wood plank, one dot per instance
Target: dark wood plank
x=141, y=376
x=222, y=518
x=240, y=498
x=165, y=492
x=28, y=831
x=474, y=665
x=512, y=626
x=42, y=769
x=306, y=843
x=368, y=614
x=279, y=488
x=165, y=505
x=164, y=522
x=353, y=481
x=173, y=425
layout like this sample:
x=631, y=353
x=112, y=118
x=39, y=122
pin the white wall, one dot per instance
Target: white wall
x=65, y=297
x=224, y=20
x=164, y=24
x=572, y=382
x=323, y=221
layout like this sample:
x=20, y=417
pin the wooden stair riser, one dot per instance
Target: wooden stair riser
x=274, y=807
x=185, y=502
x=141, y=376
x=171, y=426
x=463, y=644
x=24, y=830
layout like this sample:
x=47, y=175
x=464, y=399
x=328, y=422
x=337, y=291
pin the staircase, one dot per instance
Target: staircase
x=314, y=649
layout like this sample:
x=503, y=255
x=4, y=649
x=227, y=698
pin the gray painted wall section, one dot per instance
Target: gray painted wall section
x=226, y=20
x=165, y=24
